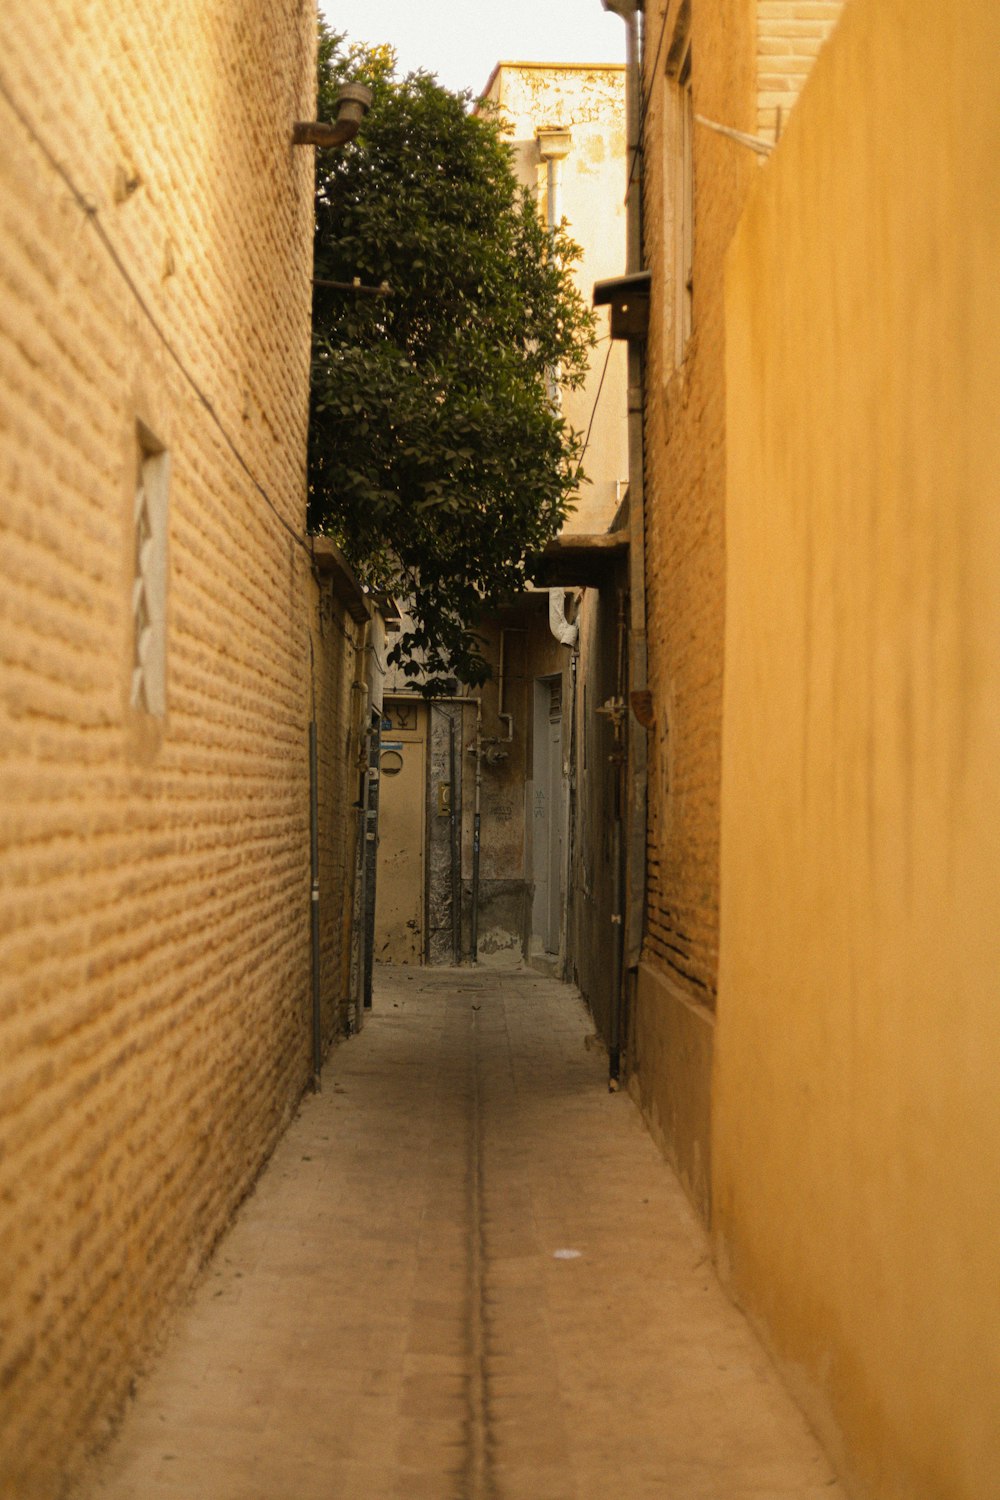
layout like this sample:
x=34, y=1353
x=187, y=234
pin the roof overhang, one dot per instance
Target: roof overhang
x=332, y=565
x=581, y=561
x=628, y=298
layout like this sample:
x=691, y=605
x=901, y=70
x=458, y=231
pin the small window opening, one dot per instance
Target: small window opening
x=149, y=581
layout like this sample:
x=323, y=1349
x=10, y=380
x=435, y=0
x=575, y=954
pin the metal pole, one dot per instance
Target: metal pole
x=317, y=1036
x=456, y=853
x=635, y=833
x=476, y=824
x=619, y=760
x=370, y=824
x=615, y=1040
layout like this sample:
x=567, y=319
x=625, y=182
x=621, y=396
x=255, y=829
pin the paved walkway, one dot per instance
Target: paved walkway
x=466, y=1273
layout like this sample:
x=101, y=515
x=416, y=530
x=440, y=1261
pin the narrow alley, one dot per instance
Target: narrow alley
x=466, y=1272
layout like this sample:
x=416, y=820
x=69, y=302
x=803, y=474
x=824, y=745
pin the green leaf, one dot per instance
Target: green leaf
x=435, y=455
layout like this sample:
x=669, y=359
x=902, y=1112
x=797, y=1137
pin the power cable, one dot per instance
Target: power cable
x=91, y=212
x=644, y=101
x=593, y=409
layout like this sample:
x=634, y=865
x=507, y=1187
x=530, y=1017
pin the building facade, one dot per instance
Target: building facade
x=740, y=67
x=169, y=635
x=494, y=841
x=856, y=1148
x=815, y=1006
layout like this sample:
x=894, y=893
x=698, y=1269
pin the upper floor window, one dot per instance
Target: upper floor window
x=679, y=192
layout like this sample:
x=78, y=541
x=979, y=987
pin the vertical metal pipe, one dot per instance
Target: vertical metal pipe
x=456, y=853
x=615, y=1039
x=635, y=881
x=618, y=760
x=569, y=904
x=553, y=173
x=317, y=1036
x=361, y=863
x=371, y=801
x=476, y=825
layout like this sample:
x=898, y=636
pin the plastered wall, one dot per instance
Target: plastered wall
x=154, y=868
x=589, y=102
x=685, y=444
x=856, y=1144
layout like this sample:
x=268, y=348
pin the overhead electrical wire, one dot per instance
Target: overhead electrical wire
x=644, y=100
x=92, y=214
x=593, y=409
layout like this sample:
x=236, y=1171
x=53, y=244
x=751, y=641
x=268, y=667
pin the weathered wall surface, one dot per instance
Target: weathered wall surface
x=589, y=102
x=685, y=521
x=346, y=638
x=856, y=1145
x=685, y=502
x=504, y=890
x=154, y=894
x=686, y=494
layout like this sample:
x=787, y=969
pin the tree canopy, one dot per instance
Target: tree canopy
x=438, y=454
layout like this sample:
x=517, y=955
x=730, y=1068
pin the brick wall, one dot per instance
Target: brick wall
x=685, y=439
x=154, y=901
x=790, y=35
x=671, y=1045
x=686, y=487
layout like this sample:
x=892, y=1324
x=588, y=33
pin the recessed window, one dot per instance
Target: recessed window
x=679, y=193
x=149, y=578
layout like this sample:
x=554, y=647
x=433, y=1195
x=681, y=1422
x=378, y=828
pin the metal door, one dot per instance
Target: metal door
x=399, y=909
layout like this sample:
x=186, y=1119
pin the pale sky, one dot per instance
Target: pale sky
x=461, y=42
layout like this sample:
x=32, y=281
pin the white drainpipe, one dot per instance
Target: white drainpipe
x=565, y=633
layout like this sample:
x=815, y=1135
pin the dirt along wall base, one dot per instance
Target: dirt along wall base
x=670, y=1077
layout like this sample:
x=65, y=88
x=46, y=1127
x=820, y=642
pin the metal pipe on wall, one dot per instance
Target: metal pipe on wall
x=456, y=851
x=371, y=791
x=476, y=828
x=615, y=1038
x=617, y=860
x=635, y=889
x=569, y=902
x=317, y=1030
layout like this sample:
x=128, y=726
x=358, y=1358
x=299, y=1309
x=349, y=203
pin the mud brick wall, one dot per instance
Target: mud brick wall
x=672, y=1025
x=685, y=442
x=154, y=867
x=685, y=446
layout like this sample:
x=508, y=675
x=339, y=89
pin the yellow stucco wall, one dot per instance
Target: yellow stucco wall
x=733, y=44
x=856, y=1146
x=154, y=869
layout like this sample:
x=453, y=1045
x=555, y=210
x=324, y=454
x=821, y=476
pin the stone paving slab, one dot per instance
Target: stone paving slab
x=392, y=1314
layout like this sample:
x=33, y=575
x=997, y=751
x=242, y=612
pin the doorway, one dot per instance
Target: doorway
x=399, y=908
x=547, y=816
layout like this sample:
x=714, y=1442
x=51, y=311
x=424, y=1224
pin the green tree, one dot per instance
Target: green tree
x=438, y=457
